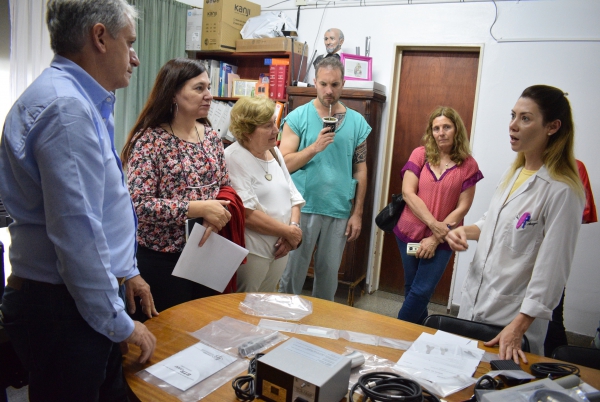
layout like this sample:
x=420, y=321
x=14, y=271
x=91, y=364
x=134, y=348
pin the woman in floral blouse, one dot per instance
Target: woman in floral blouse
x=176, y=166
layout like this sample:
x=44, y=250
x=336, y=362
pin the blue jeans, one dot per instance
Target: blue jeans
x=421, y=276
x=67, y=360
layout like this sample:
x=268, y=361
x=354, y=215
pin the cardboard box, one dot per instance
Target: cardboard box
x=222, y=21
x=193, y=32
x=270, y=45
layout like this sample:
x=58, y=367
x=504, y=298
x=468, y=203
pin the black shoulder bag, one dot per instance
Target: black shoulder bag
x=388, y=217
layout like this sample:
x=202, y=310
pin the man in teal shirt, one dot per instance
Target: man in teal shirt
x=329, y=169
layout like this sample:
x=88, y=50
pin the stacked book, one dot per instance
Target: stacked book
x=220, y=74
x=278, y=77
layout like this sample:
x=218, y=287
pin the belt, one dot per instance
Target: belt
x=17, y=282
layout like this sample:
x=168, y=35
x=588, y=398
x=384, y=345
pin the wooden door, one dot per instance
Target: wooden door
x=427, y=79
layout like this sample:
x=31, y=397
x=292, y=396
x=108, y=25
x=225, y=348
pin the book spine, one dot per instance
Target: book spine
x=214, y=78
x=280, y=62
x=272, y=82
x=226, y=71
x=221, y=78
x=282, y=75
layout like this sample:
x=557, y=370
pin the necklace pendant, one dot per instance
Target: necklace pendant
x=268, y=177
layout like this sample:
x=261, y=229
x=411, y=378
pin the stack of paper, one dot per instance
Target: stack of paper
x=366, y=85
x=441, y=362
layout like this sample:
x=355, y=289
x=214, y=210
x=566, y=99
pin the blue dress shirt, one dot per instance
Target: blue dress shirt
x=61, y=181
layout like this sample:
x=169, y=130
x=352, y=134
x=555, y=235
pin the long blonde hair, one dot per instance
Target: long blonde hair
x=460, y=147
x=558, y=157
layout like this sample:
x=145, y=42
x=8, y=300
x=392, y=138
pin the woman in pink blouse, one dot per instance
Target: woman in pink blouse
x=438, y=187
x=175, y=167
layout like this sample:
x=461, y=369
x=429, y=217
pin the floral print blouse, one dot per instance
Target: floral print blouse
x=164, y=174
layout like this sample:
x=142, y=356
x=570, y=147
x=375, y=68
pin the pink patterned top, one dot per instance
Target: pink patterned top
x=440, y=195
x=164, y=174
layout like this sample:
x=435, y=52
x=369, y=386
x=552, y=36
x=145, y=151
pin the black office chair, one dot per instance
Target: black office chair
x=589, y=357
x=469, y=329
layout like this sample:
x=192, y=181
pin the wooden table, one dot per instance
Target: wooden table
x=172, y=328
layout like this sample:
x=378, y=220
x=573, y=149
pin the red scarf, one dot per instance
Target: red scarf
x=234, y=230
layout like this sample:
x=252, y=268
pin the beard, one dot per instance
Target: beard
x=331, y=50
x=327, y=102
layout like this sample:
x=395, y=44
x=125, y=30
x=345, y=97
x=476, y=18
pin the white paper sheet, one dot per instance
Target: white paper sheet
x=211, y=265
x=440, y=358
x=190, y=366
x=448, y=338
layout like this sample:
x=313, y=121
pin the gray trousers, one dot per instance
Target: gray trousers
x=328, y=234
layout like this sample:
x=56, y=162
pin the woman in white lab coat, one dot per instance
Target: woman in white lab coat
x=526, y=239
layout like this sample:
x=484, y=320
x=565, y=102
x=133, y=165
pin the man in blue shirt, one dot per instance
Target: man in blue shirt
x=329, y=169
x=73, y=235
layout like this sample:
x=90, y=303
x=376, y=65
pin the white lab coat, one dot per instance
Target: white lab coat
x=523, y=270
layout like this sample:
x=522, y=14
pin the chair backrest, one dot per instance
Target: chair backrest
x=470, y=329
x=589, y=357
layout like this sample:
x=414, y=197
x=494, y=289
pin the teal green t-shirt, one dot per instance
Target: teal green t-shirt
x=326, y=181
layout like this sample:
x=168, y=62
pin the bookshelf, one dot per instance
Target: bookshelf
x=252, y=64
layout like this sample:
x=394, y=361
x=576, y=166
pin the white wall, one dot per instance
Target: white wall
x=508, y=68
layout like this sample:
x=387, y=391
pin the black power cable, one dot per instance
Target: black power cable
x=245, y=386
x=553, y=370
x=390, y=387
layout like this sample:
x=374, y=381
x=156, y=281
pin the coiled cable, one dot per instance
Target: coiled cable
x=553, y=370
x=245, y=386
x=390, y=387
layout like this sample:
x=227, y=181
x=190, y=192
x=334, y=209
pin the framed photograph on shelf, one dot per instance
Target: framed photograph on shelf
x=356, y=67
x=243, y=88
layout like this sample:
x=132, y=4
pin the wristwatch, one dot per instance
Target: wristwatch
x=295, y=224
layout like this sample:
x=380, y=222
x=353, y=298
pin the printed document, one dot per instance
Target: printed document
x=190, y=366
x=438, y=358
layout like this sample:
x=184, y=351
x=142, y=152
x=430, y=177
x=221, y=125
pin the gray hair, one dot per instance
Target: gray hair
x=330, y=62
x=69, y=21
x=340, y=33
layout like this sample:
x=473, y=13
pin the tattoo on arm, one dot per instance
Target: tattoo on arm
x=360, y=153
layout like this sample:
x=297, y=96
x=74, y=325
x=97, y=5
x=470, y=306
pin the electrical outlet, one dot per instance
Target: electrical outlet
x=300, y=3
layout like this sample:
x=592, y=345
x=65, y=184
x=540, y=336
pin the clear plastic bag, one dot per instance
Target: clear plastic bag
x=267, y=25
x=280, y=306
x=394, y=343
x=359, y=337
x=238, y=338
x=204, y=387
x=372, y=364
x=488, y=357
x=278, y=325
x=441, y=388
x=320, y=332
